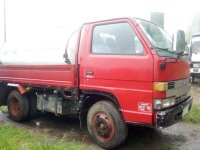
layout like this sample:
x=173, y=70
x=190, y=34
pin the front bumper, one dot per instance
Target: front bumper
x=165, y=118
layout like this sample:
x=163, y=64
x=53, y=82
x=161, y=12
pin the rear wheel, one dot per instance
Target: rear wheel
x=106, y=125
x=33, y=105
x=18, y=106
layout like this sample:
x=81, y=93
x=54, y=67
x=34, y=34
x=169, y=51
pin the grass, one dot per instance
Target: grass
x=194, y=115
x=4, y=108
x=166, y=147
x=12, y=138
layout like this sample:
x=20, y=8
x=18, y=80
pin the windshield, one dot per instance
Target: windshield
x=158, y=37
x=196, y=45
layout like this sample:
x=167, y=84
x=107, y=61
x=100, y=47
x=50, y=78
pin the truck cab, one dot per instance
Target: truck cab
x=195, y=56
x=116, y=72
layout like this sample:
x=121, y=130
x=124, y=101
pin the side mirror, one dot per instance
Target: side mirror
x=179, y=42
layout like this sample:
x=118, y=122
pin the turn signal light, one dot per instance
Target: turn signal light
x=160, y=86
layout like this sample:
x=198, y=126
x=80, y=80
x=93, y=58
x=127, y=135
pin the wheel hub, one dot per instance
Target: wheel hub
x=14, y=107
x=103, y=125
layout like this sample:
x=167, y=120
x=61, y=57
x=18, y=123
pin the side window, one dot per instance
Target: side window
x=71, y=47
x=118, y=38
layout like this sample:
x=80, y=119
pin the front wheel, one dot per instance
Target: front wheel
x=106, y=125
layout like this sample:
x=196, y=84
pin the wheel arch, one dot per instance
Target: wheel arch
x=4, y=92
x=90, y=97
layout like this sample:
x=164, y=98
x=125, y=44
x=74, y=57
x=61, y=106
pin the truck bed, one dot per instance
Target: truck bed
x=48, y=75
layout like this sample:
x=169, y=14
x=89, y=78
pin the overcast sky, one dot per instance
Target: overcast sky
x=29, y=21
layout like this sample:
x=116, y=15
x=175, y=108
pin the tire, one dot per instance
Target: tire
x=33, y=105
x=18, y=106
x=106, y=125
x=193, y=79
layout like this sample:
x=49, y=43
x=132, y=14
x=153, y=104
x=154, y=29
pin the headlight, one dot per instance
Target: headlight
x=160, y=86
x=163, y=103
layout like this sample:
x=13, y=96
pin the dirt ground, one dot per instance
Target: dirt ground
x=181, y=136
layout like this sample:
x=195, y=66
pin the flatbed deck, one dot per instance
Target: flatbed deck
x=48, y=75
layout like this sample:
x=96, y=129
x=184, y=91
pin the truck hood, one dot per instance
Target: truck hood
x=173, y=71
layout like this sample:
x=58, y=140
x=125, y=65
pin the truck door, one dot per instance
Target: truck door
x=116, y=61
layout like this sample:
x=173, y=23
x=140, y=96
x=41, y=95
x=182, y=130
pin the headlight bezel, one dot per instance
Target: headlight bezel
x=164, y=103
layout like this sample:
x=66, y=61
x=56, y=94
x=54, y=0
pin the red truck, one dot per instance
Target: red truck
x=115, y=72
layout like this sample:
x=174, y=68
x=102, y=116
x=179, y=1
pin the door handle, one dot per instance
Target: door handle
x=89, y=73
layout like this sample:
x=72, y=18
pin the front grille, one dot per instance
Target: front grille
x=178, y=83
x=180, y=98
x=195, y=65
x=171, y=85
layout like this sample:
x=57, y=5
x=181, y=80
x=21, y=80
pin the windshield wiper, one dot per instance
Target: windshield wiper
x=168, y=60
x=165, y=49
x=180, y=54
